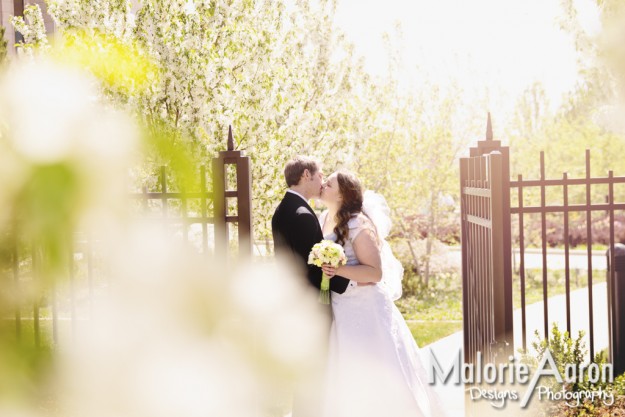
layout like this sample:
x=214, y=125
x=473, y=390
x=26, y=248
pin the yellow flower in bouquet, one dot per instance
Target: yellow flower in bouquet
x=326, y=252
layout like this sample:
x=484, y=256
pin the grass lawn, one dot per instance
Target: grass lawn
x=432, y=318
x=426, y=332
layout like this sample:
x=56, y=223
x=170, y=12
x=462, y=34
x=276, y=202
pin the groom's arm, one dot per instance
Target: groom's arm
x=339, y=284
x=305, y=234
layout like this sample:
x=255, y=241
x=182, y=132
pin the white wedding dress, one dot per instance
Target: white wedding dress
x=374, y=367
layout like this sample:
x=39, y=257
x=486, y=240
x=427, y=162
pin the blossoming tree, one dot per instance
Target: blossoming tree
x=279, y=72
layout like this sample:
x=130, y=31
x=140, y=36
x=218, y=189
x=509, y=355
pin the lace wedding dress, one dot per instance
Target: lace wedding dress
x=374, y=367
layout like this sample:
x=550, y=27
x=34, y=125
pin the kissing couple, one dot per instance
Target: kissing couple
x=372, y=366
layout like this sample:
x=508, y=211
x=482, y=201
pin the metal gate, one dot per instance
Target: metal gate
x=486, y=249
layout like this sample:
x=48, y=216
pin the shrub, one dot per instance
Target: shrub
x=566, y=350
x=444, y=274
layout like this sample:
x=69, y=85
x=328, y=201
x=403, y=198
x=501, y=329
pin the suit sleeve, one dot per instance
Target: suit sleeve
x=308, y=235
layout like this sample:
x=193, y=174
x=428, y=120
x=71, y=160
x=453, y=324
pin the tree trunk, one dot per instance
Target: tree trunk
x=429, y=239
x=413, y=253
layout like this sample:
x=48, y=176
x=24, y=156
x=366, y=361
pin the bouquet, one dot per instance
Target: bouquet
x=326, y=252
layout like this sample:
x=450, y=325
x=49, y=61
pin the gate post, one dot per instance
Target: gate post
x=486, y=260
x=503, y=229
x=616, y=308
x=243, y=196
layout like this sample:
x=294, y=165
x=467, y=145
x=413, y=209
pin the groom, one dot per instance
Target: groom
x=295, y=231
x=295, y=226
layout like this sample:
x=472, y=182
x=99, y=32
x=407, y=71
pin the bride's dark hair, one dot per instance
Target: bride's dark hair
x=351, y=192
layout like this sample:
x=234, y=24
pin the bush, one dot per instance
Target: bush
x=444, y=271
x=447, y=228
x=554, y=229
x=566, y=350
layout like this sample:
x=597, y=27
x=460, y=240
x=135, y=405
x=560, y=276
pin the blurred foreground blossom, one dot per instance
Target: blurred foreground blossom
x=63, y=156
x=176, y=334
x=181, y=336
x=63, y=160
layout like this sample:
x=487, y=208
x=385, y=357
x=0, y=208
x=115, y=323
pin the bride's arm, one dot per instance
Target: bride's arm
x=368, y=254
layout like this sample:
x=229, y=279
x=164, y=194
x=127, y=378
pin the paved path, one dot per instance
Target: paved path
x=447, y=349
x=578, y=259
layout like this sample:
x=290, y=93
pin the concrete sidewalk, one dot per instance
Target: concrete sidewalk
x=447, y=349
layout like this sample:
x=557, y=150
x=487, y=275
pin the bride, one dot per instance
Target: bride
x=374, y=368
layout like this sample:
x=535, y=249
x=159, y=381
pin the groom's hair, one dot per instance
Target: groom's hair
x=295, y=168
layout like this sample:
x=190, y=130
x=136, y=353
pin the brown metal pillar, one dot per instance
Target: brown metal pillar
x=485, y=147
x=244, y=200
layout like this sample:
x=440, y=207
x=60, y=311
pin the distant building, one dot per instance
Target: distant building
x=10, y=8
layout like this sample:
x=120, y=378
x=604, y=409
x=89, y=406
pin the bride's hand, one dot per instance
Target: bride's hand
x=329, y=270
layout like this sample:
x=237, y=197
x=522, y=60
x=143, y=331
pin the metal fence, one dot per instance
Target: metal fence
x=487, y=234
x=563, y=211
x=217, y=222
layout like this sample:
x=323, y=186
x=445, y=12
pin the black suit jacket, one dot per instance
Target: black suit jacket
x=295, y=231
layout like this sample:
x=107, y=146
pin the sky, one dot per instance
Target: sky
x=501, y=45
